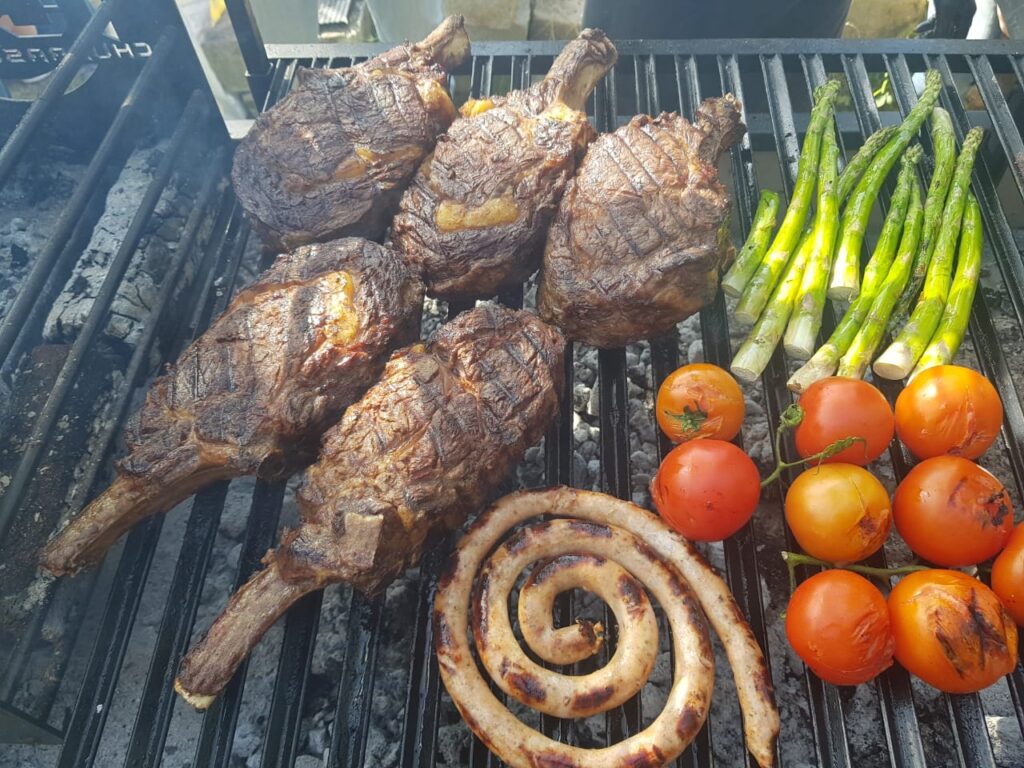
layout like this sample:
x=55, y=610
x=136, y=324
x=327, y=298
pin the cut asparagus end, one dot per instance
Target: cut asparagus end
x=744, y=316
x=801, y=337
x=750, y=361
x=733, y=285
x=821, y=366
x=895, y=363
x=852, y=369
x=845, y=285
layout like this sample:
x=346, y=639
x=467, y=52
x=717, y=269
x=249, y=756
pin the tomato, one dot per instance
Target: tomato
x=706, y=489
x=838, y=512
x=952, y=512
x=699, y=400
x=951, y=631
x=835, y=408
x=948, y=409
x=838, y=623
x=1008, y=575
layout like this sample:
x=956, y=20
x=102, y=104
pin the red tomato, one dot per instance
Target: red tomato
x=952, y=512
x=836, y=408
x=948, y=409
x=1008, y=575
x=838, y=512
x=699, y=400
x=951, y=631
x=706, y=489
x=838, y=623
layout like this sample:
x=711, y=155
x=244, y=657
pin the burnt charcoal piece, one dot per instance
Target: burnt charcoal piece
x=641, y=235
x=255, y=393
x=333, y=157
x=476, y=214
x=423, y=448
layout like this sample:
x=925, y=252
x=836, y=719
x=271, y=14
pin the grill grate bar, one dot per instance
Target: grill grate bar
x=899, y=718
x=85, y=728
x=193, y=116
x=77, y=56
x=999, y=111
x=30, y=292
x=827, y=718
x=218, y=729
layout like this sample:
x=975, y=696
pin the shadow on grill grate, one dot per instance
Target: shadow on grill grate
x=90, y=307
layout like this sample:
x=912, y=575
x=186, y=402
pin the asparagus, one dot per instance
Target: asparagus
x=846, y=271
x=760, y=287
x=823, y=362
x=898, y=360
x=950, y=333
x=750, y=255
x=859, y=162
x=802, y=331
x=944, y=146
x=864, y=344
x=756, y=350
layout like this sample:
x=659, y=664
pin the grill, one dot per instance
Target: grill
x=65, y=656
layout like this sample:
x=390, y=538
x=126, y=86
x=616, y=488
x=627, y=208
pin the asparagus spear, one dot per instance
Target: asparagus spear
x=944, y=146
x=950, y=333
x=761, y=285
x=750, y=255
x=823, y=362
x=846, y=272
x=802, y=331
x=898, y=360
x=755, y=352
x=859, y=162
x=864, y=344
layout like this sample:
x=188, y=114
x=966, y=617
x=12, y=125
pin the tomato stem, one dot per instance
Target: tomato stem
x=793, y=559
x=790, y=419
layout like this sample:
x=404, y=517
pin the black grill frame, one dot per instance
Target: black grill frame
x=764, y=66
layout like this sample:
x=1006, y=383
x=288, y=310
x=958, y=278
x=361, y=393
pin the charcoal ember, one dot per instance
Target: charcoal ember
x=140, y=286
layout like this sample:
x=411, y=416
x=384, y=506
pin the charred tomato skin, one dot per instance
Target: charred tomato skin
x=951, y=630
x=948, y=409
x=1008, y=575
x=836, y=408
x=838, y=624
x=838, y=512
x=699, y=400
x=952, y=512
x=706, y=489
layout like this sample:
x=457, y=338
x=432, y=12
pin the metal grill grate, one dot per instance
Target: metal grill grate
x=774, y=80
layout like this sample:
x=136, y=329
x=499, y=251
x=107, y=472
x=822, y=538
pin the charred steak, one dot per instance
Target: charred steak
x=476, y=214
x=422, y=449
x=255, y=393
x=333, y=157
x=640, y=237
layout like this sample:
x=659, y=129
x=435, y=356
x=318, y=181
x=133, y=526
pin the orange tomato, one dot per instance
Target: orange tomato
x=836, y=408
x=951, y=631
x=948, y=409
x=699, y=400
x=838, y=623
x=1008, y=575
x=706, y=489
x=838, y=512
x=952, y=512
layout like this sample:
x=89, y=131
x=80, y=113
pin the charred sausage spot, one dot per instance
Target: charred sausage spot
x=589, y=700
x=515, y=543
x=525, y=686
x=444, y=640
x=593, y=530
x=554, y=760
x=688, y=724
x=481, y=603
x=645, y=758
x=632, y=595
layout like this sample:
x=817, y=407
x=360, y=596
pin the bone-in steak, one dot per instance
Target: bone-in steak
x=641, y=234
x=254, y=394
x=333, y=157
x=476, y=214
x=422, y=449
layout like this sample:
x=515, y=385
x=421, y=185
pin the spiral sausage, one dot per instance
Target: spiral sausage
x=603, y=546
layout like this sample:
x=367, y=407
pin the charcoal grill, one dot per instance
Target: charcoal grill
x=98, y=610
